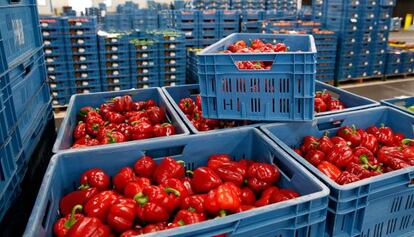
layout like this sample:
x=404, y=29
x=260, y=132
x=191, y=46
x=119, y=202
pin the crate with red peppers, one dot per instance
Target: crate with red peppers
x=149, y=197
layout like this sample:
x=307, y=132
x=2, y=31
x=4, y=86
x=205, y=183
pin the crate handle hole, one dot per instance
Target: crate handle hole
x=45, y=217
x=254, y=65
x=411, y=184
x=330, y=125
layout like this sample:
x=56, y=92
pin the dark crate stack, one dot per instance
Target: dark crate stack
x=211, y=4
x=114, y=61
x=399, y=61
x=363, y=28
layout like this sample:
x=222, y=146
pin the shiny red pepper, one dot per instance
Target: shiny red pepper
x=95, y=178
x=214, y=161
x=386, y=136
x=247, y=196
x=261, y=176
x=145, y=167
x=114, y=117
x=398, y=138
x=83, y=112
x=315, y=157
x=121, y=215
x=204, y=179
x=156, y=115
x=336, y=140
x=62, y=226
x=408, y=154
x=78, y=197
x=122, y=178
x=325, y=144
x=329, y=170
x=176, y=184
x=131, y=233
x=340, y=156
x=346, y=178
x=283, y=195
x=350, y=134
x=89, y=227
x=223, y=199
x=141, y=130
x=164, y=129
x=195, y=202
x=169, y=168
x=392, y=157
x=186, y=217
x=187, y=184
x=370, y=142
x=309, y=143
x=136, y=186
x=231, y=172
x=243, y=208
x=154, y=227
x=361, y=171
x=94, y=124
x=265, y=196
x=79, y=131
x=99, y=205
x=187, y=105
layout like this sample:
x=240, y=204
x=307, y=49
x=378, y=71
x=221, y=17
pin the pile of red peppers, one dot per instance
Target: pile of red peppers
x=355, y=154
x=119, y=120
x=192, y=110
x=150, y=196
x=325, y=102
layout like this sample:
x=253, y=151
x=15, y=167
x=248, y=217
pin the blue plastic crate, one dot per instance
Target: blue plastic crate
x=144, y=85
x=82, y=50
x=84, y=75
x=57, y=76
x=352, y=101
x=79, y=22
x=400, y=103
x=83, y=66
x=9, y=195
x=9, y=150
x=51, y=22
x=60, y=101
x=60, y=90
x=65, y=139
x=304, y=216
x=117, y=56
x=387, y=2
x=117, y=87
x=150, y=77
x=175, y=93
x=367, y=206
x=83, y=57
x=20, y=33
x=226, y=93
x=96, y=87
x=114, y=73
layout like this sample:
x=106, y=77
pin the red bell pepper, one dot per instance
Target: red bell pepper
x=89, y=227
x=165, y=129
x=243, y=208
x=186, y=217
x=320, y=105
x=408, y=154
x=78, y=197
x=195, y=203
x=247, y=196
x=309, y=143
x=154, y=227
x=121, y=215
x=261, y=176
x=79, y=131
x=132, y=233
x=141, y=130
x=335, y=105
x=340, y=156
x=283, y=195
x=362, y=171
x=336, y=140
x=83, y=112
x=398, y=138
x=315, y=157
x=346, y=178
x=324, y=95
x=214, y=161
x=175, y=184
x=204, y=179
x=350, y=134
x=223, y=199
x=62, y=226
x=298, y=151
x=329, y=170
x=325, y=144
x=95, y=178
x=187, y=184
x=122, y=178
x=145, y=167
x=94, y=124
x=370, y=142
x=386, y=136
x=114, y=117
x=99, y=205
x=231, y=172
x=136, y=186
x=265, y=196
x=187, y=105
x=156, y=115
x=169, y=168
x=392, y=157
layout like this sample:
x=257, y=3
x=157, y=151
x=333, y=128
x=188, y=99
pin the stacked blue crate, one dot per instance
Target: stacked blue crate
x=24, y=94
x=127, y=8
x=248, y=5
x=229, y=23
x=399, y=61
x=211, y=4
x=171, y=57
x=251, y=21
x=208, y=27
x=165, y=19
x=144, y=69
x=144, y=19
x=282, y=5
x=54, y=42
x=187, y=21
x=363, y=32
x=82, y=52
x=192, y=75
x=114, y=61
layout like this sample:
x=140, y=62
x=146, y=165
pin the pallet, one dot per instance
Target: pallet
x=59, y=108
x=360, y=80
x=399, y=76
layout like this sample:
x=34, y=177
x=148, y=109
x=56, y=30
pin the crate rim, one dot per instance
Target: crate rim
x=73, y=98
x=325, y=191
x=389, y=103
x=206, y=51
x=318, y=173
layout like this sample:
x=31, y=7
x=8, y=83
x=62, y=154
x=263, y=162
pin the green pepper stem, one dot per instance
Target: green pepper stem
x=181, y=162
x=141, y=199
x=171, y=190
x=72, y=220
x=363, y=159
x=181, y=223
x=191, y=209
x=406, y=141
x=190, y=172
x=222, y=213
x=84, y=186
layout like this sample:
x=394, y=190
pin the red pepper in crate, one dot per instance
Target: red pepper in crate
x=165, y=129
x=121, y=215
x=334, y=105
x=128, y=103
x=346, y=178
x=78, y=197
x=79, y=131
x=386, y=136
x=247, y=196
x=315, y=157
x=261, y=176
x=99, y=205
x=309, y=143
x=95, y=178
x=94, y=124
x=392, y=157
x=173, y=185
x=324, y=95
x=187, y=184
x=231, y=172
x=83, y=112
x=145, y=167
x=186, y=217
x=398, y=138
x=362, y=171
x=118, y=104
x=408, y=151
x=283, y=195
x=154, y=227
x=214, y=161
x=204, y=179
x=114, y=117
x=325, y=144
x=187, y=105
x=223, y=199
x=136, y=186
x=85, y=142
x=320, y=105
x=340, y=156
x=370, y=142
x=329, y=170
x=89, y=227
x=350, y=135
x=62, y=226
x=141, y=130
x=265, y=196
x=131, y=233
x=169, y=168
x=122, y=178
x=155, y=115
x=195, y=202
